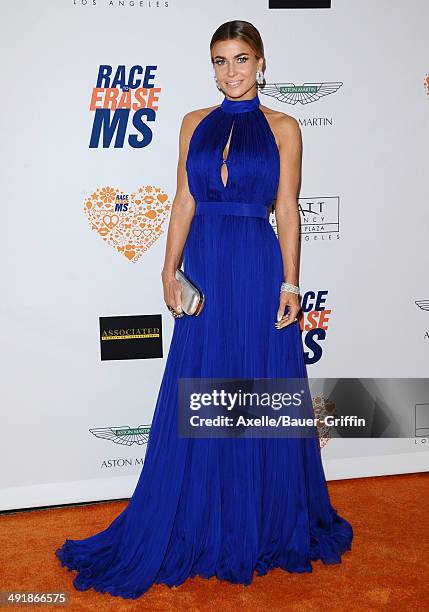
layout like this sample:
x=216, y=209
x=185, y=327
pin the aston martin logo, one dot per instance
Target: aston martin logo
x=423, y=304
x=305, y=93
x=125, y=434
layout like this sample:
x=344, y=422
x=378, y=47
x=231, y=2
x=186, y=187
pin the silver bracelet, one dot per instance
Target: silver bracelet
x=289, y=287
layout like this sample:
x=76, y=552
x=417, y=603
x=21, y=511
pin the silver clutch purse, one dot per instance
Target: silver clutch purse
x=192, y=298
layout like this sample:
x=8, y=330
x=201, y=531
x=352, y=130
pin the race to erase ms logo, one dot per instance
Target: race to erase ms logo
x=124, y=102
x=314, y=323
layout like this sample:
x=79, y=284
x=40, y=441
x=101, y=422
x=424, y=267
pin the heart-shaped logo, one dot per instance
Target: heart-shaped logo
x=128, y=223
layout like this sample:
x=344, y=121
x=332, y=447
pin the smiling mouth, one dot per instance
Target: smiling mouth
x=233, y=83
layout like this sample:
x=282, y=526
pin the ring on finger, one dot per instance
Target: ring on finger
x=173, y=312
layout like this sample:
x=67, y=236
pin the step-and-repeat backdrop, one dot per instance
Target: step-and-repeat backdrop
x=94, y=92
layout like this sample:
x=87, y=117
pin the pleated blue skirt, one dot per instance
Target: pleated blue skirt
x=225, y=507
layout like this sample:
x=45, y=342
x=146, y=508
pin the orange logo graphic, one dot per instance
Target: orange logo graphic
x=130, y=223
x=427, y=84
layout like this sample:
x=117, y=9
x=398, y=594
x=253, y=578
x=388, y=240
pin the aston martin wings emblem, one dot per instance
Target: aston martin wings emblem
x=125, y=435
x=423, y=304
x=305, y=93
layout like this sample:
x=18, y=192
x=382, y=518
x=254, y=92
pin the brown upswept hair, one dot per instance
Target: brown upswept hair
x=243, y=30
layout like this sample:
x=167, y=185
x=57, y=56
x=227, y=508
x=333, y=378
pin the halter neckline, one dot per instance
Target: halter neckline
x=239, y=106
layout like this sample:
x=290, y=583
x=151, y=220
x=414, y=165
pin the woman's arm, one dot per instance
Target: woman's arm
x=286, y=212
x=182, y=212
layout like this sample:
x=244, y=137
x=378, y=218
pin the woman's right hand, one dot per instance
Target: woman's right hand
x=172, y=294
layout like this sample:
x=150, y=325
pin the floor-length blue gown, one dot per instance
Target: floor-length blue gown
x=222, y=506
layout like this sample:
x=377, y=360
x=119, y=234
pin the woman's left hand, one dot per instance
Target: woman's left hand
x=290, y=300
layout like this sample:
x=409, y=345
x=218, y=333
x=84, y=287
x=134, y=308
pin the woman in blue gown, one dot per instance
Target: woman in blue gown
x=225, y=507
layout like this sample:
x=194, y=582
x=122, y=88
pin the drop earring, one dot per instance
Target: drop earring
x=217, y=83
x=259, y=77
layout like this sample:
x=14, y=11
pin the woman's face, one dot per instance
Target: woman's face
x=235, y=67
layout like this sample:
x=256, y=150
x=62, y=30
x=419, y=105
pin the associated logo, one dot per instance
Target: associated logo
x=129, y=223
x=124, y=434
x=124, y=101
x=302, y=94
x=131, y=337
x=320, y=218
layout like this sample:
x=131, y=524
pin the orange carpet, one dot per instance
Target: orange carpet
x=386, y=569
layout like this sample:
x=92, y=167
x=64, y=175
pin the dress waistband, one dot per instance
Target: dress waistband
x=242, y=209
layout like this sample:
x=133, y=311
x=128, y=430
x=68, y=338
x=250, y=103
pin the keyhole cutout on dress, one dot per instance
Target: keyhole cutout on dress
x=224, y=172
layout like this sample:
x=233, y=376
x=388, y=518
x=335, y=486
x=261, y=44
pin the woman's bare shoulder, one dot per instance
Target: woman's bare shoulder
x=192, y=118
x=201, y=112
x=281, y=124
